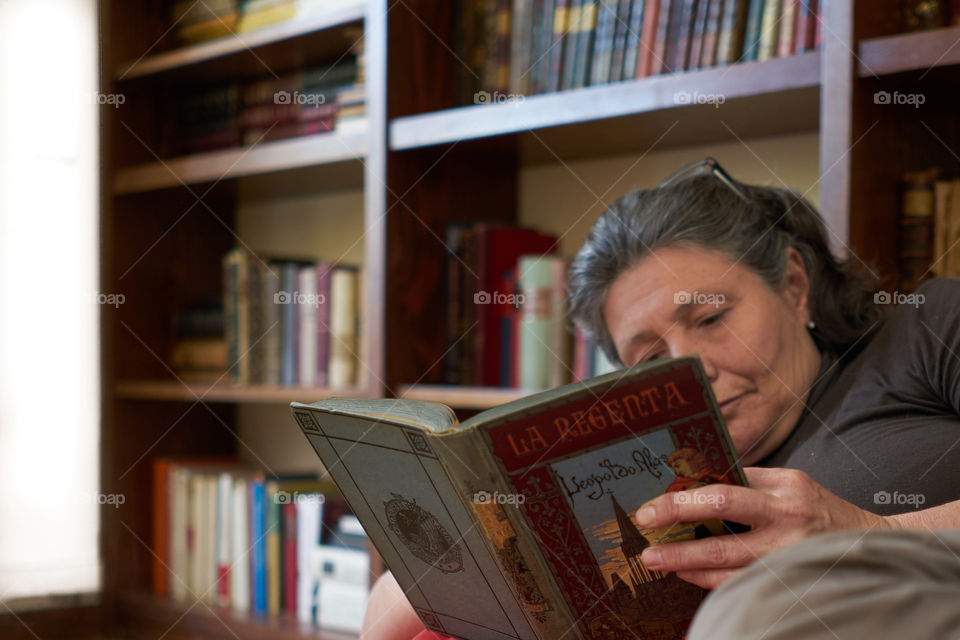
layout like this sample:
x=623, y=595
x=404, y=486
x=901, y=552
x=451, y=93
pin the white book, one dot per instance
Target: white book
x=343, y=327
x=309, y=517
x=240, y=549
x=195, y=502
x=343, y=576
x=224, y=541
x=306, y=301
x=179, y=509
x=208, y=587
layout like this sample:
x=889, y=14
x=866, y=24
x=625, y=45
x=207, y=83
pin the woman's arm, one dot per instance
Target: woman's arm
x=389, y=614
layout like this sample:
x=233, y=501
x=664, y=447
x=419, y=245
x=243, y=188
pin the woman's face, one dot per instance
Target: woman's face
x=752, y=340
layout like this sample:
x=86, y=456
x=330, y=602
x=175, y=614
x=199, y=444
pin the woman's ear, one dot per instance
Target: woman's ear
x=796, y=285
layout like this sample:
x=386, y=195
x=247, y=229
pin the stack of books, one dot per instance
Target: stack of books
x=929, y=228
x=291, y=322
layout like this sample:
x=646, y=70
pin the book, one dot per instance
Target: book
x=770, y=30
x=519, y=522
x=733, y=24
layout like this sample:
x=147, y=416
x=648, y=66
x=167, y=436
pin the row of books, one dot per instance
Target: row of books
x=291, y=323
x=525, y=47
x=196, y=22
x=230, y=536
x=506, y=309
x=929, y=227
x=306, y=101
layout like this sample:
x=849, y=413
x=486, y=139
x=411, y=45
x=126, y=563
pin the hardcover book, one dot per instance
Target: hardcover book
x=519, y=522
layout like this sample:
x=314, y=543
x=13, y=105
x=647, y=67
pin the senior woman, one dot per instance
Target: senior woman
x=844, y=413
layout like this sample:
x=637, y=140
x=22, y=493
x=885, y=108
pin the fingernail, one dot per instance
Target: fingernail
x=645, y=516
x=650, y=558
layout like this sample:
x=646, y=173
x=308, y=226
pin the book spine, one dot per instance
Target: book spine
x=544, y=50
x=561, y=13
x=711, y=34
x=621, y=23
x=271, y=323
x=224, y=553
x=602, y=43
x=570, y=43
x=520, y=46
x=255, y=329
x=323, y=323
x=240, y=560
x=664, y=28
x=684, y=35
x=751, y=38
x=788, y=28
x=648, y=38
x=588, y=29
x=258, y=552
x=769, y=30
x=306, y=305
x=308, y=519
x=698, y=34
x=535, y=274
x=289, y=334
x=634, y=35
x=811, y=38
x=272, y=508
x=503, y=45
x=179, y=533
x=161, y=527
x=559, y=337
x=732, y=27
x=453, y=312
x=343, y=327
x=290, y=557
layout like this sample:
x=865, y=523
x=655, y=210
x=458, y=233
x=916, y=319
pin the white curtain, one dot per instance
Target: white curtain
x=49, y=302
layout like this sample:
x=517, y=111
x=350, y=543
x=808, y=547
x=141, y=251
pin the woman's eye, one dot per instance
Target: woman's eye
x=712, y=319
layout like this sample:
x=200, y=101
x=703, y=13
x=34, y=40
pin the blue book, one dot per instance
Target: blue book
x=258, y=540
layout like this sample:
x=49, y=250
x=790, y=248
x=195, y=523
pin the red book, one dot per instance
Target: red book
x=811, y=37
x=498, y=249
x=647, y=37
x=290, y=557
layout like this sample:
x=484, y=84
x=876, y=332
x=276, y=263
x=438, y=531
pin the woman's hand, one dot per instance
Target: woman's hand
x=782, y=506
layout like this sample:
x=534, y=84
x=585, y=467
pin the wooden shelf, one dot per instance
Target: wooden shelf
x=463, y=397
x=145, y=615
x=762, y=98
x=294, y=153
x=241, y=43
x=919, y=50
x=173, y=390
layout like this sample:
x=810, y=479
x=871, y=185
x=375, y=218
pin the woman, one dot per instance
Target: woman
x=844, y=413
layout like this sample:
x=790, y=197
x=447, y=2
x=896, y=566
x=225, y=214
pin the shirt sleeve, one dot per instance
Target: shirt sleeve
x=937, y=330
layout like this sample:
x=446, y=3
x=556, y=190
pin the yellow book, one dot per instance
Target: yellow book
x=266, y=17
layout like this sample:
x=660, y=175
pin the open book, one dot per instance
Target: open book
x=519, y=522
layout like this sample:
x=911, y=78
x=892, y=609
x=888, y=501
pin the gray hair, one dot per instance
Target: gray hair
x=702, y=212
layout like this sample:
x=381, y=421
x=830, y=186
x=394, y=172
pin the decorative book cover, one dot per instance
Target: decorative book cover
x=519, y=522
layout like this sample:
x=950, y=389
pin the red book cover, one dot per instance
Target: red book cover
x=648, y=37
x=817, y=33
x=290, y=557
x=498, y=249
x=811, y=36
x=161, y=536
x=584, y=466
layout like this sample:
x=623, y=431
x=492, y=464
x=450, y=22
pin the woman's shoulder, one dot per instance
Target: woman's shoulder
x=934, y=305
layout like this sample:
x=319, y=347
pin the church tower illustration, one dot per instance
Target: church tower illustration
x=632, y=544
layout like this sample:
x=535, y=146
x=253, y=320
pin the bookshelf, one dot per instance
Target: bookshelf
x=424, y=163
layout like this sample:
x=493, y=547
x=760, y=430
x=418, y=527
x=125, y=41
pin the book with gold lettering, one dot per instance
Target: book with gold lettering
x=519, y=522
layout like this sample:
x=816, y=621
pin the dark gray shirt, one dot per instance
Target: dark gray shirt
x=882, y=429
